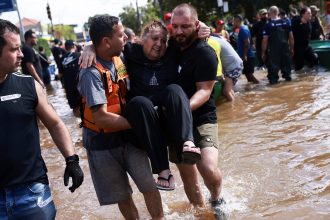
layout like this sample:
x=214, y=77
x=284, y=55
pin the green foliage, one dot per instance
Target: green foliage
x=150, y=12
x=129, y=18
x=62, y=31
x=44, y=43
x=208, y=10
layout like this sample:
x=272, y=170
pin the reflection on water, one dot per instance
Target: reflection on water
x=274, y=155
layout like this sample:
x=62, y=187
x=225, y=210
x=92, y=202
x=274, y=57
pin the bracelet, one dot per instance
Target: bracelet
x=73, y=158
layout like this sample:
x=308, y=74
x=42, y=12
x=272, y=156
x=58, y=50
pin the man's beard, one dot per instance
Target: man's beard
x=187, y=41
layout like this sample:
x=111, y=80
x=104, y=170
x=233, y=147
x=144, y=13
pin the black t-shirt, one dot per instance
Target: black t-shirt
x=58, y=54
x=70, y=63
x=316, y=29
x=43, y=60
x=199, y=63
x=147, y=76
x=30, y=56
x=257, y=30
x=301, y=32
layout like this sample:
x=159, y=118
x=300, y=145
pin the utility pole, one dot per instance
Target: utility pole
x=138, y=16
x=220, y=5
x=161, y=9
x=50, y=18
x=20, y=21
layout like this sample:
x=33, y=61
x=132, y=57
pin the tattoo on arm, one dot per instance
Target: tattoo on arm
x=95, y=108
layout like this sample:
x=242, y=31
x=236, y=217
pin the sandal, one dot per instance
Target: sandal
x=166, y=188
x=191, y=157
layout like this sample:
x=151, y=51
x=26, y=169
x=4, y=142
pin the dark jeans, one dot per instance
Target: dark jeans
x=45, y=76
x=27, y=202
x=248, y=69
x=279, y=60
x=258, y=53
x=148, y=127
x=302, y=53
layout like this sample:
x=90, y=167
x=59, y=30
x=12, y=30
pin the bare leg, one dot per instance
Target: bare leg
x=154, y=204
x=208, y=168
x=191, y=184
x=128, y=209
x=228, y=91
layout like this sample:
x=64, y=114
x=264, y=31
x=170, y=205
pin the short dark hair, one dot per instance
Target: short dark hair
x=56, y=41
x=102, y=26
x=6, y=26
x=303, y=11
x=69, y=44
x=29, y=34
x=239, y=17
x=129, y=32
x=282, y=12
x=183, y=8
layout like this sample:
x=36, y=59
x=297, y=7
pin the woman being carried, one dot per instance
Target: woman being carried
x=153, y=70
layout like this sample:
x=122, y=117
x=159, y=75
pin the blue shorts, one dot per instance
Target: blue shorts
x=28, y=201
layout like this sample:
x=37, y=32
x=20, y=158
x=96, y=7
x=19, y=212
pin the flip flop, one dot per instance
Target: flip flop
x=190, y=157
x=166, y=188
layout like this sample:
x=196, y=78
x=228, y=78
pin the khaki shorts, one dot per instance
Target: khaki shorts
x=205, y=135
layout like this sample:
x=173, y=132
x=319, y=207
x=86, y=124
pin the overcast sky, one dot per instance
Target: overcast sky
x=67, y=11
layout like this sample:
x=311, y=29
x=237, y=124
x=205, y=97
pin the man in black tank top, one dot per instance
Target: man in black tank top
x=24, y=190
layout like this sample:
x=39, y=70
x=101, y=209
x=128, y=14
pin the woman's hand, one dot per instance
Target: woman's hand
x=88, y=57
x=203, y=30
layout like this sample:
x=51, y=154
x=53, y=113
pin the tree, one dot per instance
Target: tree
x=63, y=31
x=148, y=13
x=208, y=9
x=129, y=18
x=45, y=44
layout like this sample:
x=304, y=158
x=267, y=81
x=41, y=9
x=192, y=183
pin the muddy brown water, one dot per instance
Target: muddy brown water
x=274, y=156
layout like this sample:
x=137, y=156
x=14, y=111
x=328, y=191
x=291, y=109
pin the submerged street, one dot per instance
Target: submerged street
x=274, y=155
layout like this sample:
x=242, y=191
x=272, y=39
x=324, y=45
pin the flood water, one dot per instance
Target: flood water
x=274, y=155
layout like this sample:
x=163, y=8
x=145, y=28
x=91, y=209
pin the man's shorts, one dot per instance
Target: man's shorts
x=205, y=135
x=235, y=73
x=109, y=168
x=248, y=66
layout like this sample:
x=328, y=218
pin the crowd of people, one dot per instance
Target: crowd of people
x=143, y=101
x=276, y=40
